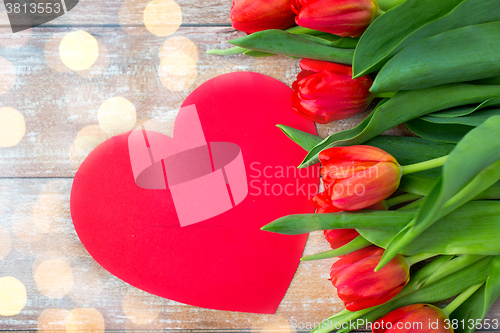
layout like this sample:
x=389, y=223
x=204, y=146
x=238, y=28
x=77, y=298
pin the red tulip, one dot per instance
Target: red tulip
x=325, y=91
x=340, y=237
x=359, y=286
x=255, y=15
x=346, y=18
x=421, y=318
x=356, y=177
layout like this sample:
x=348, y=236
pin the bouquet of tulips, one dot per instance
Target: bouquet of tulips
x=391, y=202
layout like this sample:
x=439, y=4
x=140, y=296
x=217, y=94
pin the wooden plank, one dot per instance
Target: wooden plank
x=128, y=13
x=58, y=104
x=35, y=214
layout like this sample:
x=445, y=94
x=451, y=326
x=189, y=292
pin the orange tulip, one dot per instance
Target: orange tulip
x=356, y=177
x=359, y=286
x=256, y=15
x=421, y=318
x=346, y=18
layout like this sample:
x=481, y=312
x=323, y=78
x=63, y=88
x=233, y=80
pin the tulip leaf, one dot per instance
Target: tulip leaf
x=455, y=112
x=466, y=161
x=475, y=308
x=293, y=45
x=404, y=106
x=332, y=40
x=443, y=59
x=449, y=133
x=466, y=110
x=472, y=229
x=303, y=139
x=450, y=130
x=382, y=38
x=257, y=54
x=413, y=21
x=230, y=51
x=357, y=243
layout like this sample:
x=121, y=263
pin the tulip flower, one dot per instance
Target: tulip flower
x=422, y=318
x=325, y=91
x=359, y=286
x=356, y=177
x=256, y=15
x=346, y=18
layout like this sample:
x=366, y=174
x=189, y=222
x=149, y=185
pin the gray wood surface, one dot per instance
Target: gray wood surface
x=66, y=288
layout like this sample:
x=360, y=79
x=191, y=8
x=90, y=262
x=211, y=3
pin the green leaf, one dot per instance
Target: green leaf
x=448, y=133
x=455, y=112
x=468, y=159
x=354, y=245
x=292, y=45
x=332, y=40
x=466, y=110
x=257, y=54
x=476, y=307
x=303, y=139
x=443, y=59
x=492, y=291
x=472, y=229
x=414, y=20
x=404, y=106
x=230, y=51
x=473, y=119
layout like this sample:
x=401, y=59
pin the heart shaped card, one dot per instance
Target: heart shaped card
x=180, y=217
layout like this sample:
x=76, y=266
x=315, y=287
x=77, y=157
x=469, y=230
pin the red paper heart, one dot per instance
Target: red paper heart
x=225, y=262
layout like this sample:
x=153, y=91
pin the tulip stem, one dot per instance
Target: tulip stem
x=419, y=257
x=431, y=164
x=402, y=199
x=461, y=298
x=385, y=95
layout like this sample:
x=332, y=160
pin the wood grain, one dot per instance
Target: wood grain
x=60, y=110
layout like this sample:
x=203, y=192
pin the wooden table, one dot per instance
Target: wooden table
x=66, y=288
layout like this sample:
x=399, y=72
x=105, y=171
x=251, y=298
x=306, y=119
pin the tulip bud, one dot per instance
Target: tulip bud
x=356, y=177
x=255, y=15
x=325, y=91
x=421, y=318
x=359, y=286
x=346, y=18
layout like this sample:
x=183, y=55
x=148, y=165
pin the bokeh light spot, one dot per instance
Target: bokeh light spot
x=12, y=127
x=54, y=278
x=162, y=17
x=78, y=50
x=177, y=71
x=116, y=115
x=13, y=296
